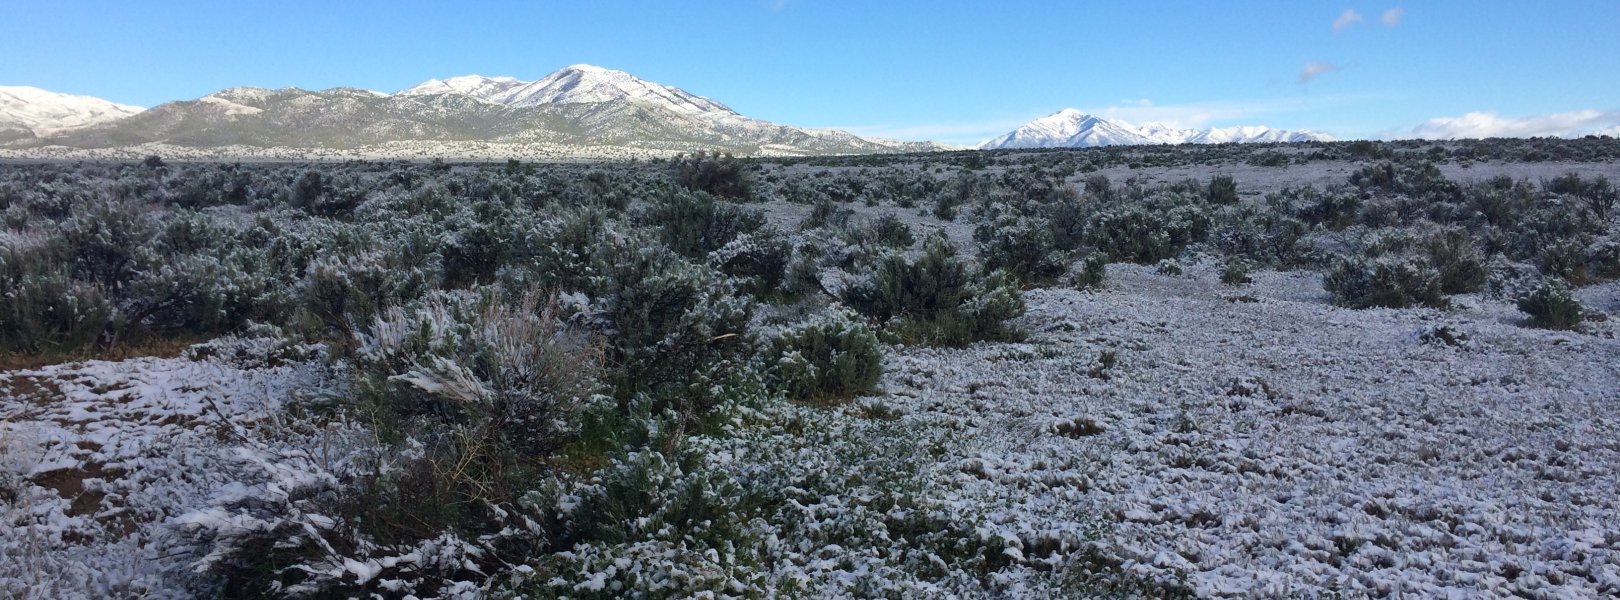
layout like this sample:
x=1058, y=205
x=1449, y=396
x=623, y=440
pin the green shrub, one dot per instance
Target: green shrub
x=1170, y=267
x=1222, y=190
x=1236, y=272
x=665, y=319
x=1359, y=283
x=695, y=224
x=933, y=300
x=1334, y=209
x=833, y=356
x=1094, y=269
x=1022, y=248
x=759, y=260
x=1551, y=306
x=51, y=312
x=1457, y=257
x=714, y=173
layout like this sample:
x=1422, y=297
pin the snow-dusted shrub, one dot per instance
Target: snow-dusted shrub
x=1222, y=190
x=511, y=371
x=1334, y=209
x=1236, y=272
x=826, y=213
x=832, y=356
x=1146, y=232
x=1551, y=306
x=47, y=310
x=1265, y=235
x=1170, y=267
x=1421, y=180
x=468, y=397
x=695, y=223
x=662, y=317
x=344, y=291
x=1024, y=248
x=886, y=231
x=934, y=300
x=1362, y=283
x=759, y=260
x=1596, y=195
x=107, y=243
x=715, y=173
x=1094, y=269
x=1457, y=257
x=326, y=195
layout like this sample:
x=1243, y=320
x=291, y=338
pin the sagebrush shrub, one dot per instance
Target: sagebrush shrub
x=663, y=316
x=1094, y=269
x=1551, y=306
x=1457, y=257
x=1236, y=272
x=759, y=260
x=513, y=372
x=934, y=299
x=52, y=312
x=1024, y=249
x=1222, y=190
x=695, y=224
x=718, y=174
x=832, y=356
x=1360, y=283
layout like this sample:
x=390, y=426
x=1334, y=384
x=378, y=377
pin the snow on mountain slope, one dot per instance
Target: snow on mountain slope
x=1254, y=134
x=1070, y=128
x=575, y=84
x=476, y=86
x=43, y=112
x=578, y=84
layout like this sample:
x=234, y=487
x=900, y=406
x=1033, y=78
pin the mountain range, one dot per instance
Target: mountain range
x=1071, y=128
x=577, y=111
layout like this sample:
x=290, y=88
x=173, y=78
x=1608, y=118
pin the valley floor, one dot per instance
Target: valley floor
x=1242, y=442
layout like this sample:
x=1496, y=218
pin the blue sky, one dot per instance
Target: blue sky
x=944, y=70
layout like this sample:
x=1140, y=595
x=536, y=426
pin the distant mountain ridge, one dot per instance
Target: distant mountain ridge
x=1071, y=128
x=577, y=110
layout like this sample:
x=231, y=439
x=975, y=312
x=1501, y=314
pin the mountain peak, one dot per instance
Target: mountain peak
x=573, y=84
x=588, y=68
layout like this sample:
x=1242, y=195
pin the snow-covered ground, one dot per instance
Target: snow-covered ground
x=1244, y=442
x=1258, y=442
x=99, y=458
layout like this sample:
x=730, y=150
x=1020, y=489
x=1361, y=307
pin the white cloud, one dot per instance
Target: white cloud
x=1350, y=17
x=1476, y=125
x=1392, y=17
x=1314, y=69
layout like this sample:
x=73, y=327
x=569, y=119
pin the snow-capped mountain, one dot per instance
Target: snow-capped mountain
x=475, y=86
x=1070, y=128
x=579, y=106
x=41, y=112
x=574, y=84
